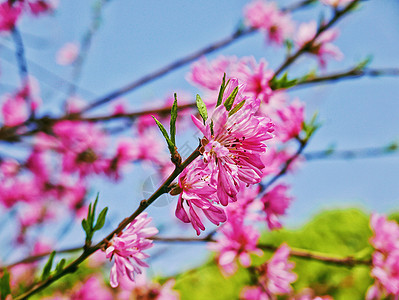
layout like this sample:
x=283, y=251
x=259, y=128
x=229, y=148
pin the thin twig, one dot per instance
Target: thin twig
x=72, y=267
x=238, y=34
x=348, y=261
x=292, y=58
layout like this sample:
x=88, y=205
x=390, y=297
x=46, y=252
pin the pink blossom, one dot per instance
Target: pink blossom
x=197, y=192
x=336, y=3
x=14, y=110
x=234, y=145
x=75, y=104
x=67, y=54
x=82, y=146
x=267, y=17
x=92, y=289
x=321, y=46
x=127, y=249
x=209, y=74
x=290, y=121
x=256, y=76
x=9, y=14
x=9, y=167
x=386, y=233
x=386, y=271
x=275, y=277
x=143, y=288
x=126, y=152
x=385, y=258
x=237, y=242
x=40, y=6
x=276, y=202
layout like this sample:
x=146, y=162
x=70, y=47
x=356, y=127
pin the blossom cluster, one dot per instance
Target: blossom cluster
x=385, y=269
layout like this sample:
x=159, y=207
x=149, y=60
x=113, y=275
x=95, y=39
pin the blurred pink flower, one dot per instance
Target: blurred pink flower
x=237, y=242
x=321, y=46
x=14, y=110
x=290, y=121
x=267, y=17
x=92, y=289
x=9, y=14
x=275, y=277
x=127, y=249
x=276, y=202
x=67, y=54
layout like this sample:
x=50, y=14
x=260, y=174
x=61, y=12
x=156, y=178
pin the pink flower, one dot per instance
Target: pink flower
x=82, y=146
x=127, y=249
x=9, y=14
x=290, y=121
x=14, y=110
x=92, y=289
x=321, y=46
x=126, y=152
x=275, y=277
x=67, y=54
x=40, y=6
x=267, y=17
x=336, y=3
x=237, y=242
x=385, y=258
x=234, y=144
x=198, y=193
x=74, y=104
x=386, y=233
x=209, y=74
x=256, y=77
x=143, y=288
x=276, y=202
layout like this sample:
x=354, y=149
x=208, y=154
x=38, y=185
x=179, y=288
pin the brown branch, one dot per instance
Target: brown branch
x=348, y=261
x=35, y=258
x=352, y=73
x=305, y=48
x=240, y=33
x=72, y=267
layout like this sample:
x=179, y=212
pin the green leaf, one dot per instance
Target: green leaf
x=85, y=226
x=101, y=219
x=171, y=146
x=364, y=63
x=221, y=91
x=173, y=117
x=60, y=265
x=5, y=285
x=230, y=100
x=202, y=108
x=47, y=266
x=211, y=126
x=236, y=108
x=282, y=83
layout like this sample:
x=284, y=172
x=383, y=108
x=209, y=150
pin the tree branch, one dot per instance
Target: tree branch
x=72, y=267
x=292, y=58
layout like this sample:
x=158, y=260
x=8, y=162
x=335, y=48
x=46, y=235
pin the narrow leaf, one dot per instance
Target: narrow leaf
x=60, y=265
x=173, y=117
x=171, y=146
x=85, y=227
x=230, y=100
x=47, y=266
x=5, y=285
x=236, y=108
x=221, y=91
x=101, y=219
x=202, y=108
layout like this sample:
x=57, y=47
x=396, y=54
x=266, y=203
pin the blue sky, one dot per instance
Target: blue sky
x=137, y=37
